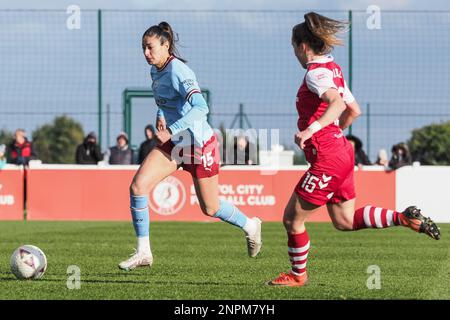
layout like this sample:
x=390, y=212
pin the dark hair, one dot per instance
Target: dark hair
x=400, y=146
x=150, y=127
x=164, y=32
x=356, y=140
x=319, y=32
x=91, y=135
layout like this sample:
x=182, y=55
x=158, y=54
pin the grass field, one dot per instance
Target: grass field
x=209, y=261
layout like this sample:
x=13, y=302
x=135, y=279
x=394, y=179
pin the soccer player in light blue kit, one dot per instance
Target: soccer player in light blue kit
x=185, y=139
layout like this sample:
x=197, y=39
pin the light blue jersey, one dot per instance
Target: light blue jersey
x=178, y=97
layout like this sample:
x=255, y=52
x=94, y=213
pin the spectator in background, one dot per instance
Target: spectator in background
x=20, y=151
x=89, y=151
x=382, y=159
x=148, y=144
x=244, y=152
x=400, y=156
x=2, y=156
x=361, y=158
x=121, y=153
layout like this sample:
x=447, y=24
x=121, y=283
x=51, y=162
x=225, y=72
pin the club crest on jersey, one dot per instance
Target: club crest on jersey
x=155, y=85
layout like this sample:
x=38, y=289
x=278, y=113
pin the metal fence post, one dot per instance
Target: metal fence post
x=350, y=57
x=368, y=129
x=99, y=44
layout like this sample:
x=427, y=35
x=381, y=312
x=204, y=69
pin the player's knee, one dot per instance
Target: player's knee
x=288, y=224
x=137, y=188
x=343, y=225
x=209, y=211
x=288, y=221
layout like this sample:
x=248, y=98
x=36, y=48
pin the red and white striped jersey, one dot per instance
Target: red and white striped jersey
x=321, y=75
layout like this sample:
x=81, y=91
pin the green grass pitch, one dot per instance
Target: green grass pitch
x=209, y=261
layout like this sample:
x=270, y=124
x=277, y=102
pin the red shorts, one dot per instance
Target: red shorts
x=200, y=162
x=330, y=178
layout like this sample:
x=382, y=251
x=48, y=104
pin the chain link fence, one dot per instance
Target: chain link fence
x=400, y=71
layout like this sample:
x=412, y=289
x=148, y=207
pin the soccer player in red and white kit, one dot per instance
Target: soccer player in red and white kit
x=326, y=106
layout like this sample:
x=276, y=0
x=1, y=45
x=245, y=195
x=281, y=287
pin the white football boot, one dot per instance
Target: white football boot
x=254, y=241
x=137, y=259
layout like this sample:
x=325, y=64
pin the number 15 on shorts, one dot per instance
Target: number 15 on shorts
x=207, y=160
x=311, y=182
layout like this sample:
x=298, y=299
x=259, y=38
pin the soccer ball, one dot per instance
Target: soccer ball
x=28, y=262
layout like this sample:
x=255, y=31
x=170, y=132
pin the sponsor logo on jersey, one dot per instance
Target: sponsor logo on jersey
x=321, y=76
x=189, y=84
x=155, y=85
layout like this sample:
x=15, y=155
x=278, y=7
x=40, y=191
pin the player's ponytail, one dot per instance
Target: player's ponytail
x=319, y=32
x=165, y=33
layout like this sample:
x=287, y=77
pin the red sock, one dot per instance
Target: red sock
x=375, y=217
x=298, y=247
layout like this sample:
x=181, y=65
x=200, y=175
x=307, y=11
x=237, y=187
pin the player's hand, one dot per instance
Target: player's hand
x=301, y=137
x=163, y=136
x=160, y=124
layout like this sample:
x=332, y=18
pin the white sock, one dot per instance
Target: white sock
x=250, y=226
x=143, y=245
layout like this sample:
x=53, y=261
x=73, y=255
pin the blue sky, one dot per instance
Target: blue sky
x=402, y=69
x=229, y=4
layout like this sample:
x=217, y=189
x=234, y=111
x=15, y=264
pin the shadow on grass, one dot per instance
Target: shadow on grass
x=11, y=278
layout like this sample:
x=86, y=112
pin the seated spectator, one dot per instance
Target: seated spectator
x=400, y=156
x=244, y=152
x=148, y=144
x=382, y=159
x=121, y=153
x=361, y=158
x=2, y=156
x=20, y=151
x=89, y=151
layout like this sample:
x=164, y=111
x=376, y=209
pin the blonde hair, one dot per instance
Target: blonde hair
x=319, y=32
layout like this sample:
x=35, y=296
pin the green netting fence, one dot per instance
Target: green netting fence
x=400, y=73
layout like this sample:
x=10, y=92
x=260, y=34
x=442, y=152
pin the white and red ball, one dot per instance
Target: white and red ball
x=28, y=262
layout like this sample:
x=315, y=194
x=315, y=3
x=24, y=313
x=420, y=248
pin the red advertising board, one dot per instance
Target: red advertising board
x=79, y=193
x=11, y=193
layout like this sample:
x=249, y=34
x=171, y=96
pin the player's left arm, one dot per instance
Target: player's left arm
x=186, y=85
x=353, y=110
x=349, y=115
x=198, y=111
x=336, y=106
